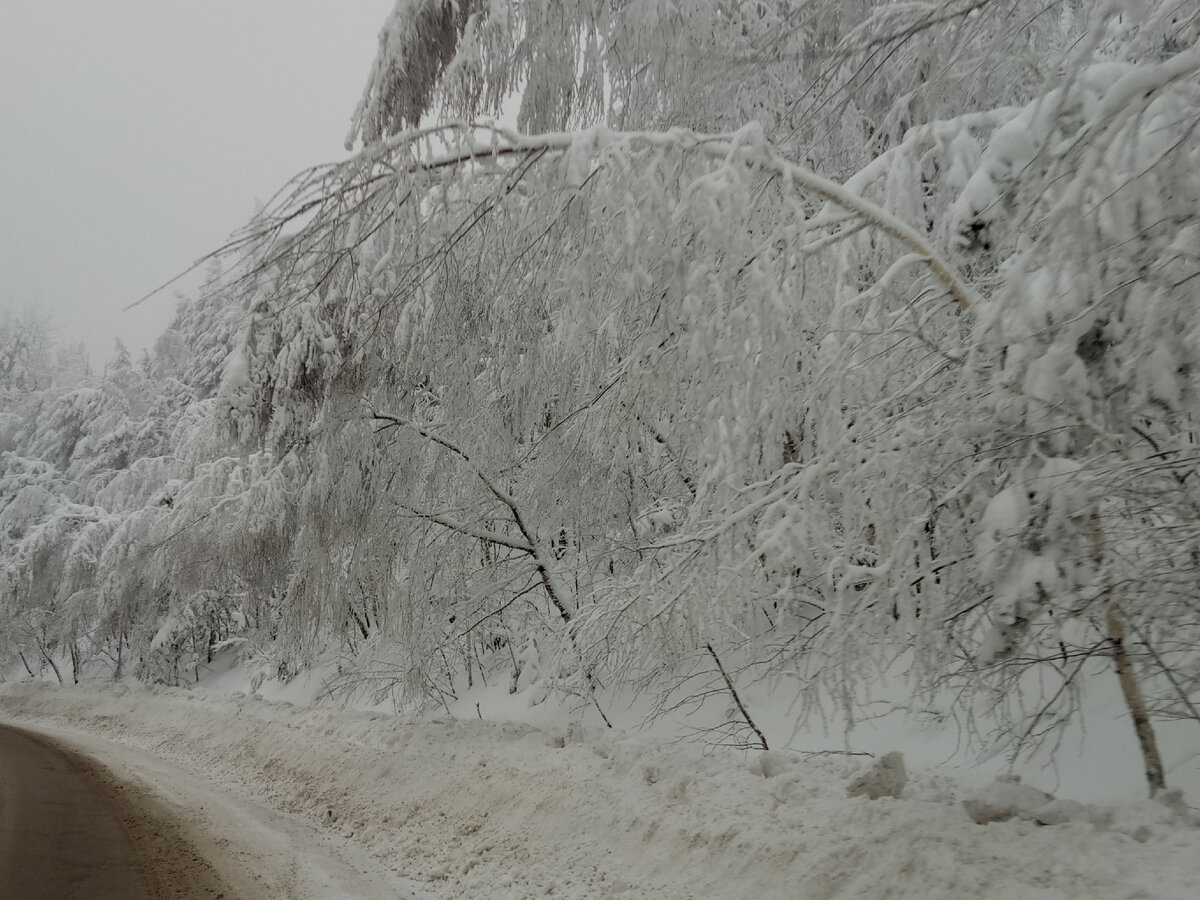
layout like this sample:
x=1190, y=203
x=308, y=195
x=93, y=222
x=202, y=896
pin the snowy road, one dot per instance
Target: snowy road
x=62, y=828
x=84, y=818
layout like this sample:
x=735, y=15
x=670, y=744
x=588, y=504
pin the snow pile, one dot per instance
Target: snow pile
x=1007, y=798
x=886, y=778
x=511, y=812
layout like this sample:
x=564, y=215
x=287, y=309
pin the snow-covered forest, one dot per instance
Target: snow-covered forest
x=803, y=345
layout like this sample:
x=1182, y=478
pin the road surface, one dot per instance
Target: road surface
x=69, y=829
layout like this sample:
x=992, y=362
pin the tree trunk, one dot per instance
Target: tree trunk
x=50, y=661
x=1133, y=699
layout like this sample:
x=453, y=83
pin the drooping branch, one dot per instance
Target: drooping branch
x=416, y=44
x=319, y=195
x=750, y=148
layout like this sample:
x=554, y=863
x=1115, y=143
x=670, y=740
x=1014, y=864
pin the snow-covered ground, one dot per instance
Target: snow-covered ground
x=373, y=806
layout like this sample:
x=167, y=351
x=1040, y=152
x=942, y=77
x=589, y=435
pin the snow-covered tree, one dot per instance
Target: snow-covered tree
x=689, y=391
x=835, y=340
x=86, y=494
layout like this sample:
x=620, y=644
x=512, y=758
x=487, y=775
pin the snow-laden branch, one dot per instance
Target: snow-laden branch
x=474, y=531
x=750, y=148
x=412, y=152
x=759, y=153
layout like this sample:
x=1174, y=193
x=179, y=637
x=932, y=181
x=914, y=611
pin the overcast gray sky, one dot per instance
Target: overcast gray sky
x=136, y=134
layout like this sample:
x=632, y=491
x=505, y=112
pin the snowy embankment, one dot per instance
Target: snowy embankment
x=509, y=811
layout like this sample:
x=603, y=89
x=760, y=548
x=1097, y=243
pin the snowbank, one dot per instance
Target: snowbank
x=512, y=812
